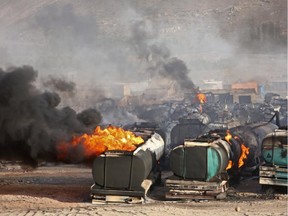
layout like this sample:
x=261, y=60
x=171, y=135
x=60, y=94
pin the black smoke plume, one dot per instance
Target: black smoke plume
x=31, y=125
x=177, y=70
x=159, y=60
x=60, y=85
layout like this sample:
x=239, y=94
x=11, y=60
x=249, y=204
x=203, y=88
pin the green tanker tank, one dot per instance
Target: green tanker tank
x=274, y=148
x=274, y=152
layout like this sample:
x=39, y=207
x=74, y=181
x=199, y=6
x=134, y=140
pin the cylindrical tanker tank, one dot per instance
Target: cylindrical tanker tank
x=252, y=136
x=206, y=157
x=274, y=148
x=125, y=170
x=200, y=159
x=185, y=128
x=188, y=128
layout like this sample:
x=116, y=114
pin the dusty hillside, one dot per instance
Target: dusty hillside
x=229, y=15
x=119, y=40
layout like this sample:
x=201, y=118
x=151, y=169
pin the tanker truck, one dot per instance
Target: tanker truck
x=273, y=172
x=202, y=166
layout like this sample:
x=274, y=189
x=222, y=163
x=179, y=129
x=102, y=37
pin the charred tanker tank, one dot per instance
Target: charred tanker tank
x=207, y=157
x=252, y=136
x=177, y=131
x=188, y=128
x=128, y=174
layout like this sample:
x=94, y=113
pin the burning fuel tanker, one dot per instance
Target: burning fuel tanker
x=123, y=171
x=206, y=157
x=122, y=159
x=89, y=146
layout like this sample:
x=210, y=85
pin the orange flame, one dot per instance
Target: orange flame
x=201, y=98
x=245, y=152
x=228, y=136
x=111, y=138
x=230, y=164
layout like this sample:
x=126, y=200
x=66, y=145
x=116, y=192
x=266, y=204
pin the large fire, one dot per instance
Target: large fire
x=110, y=138
x=244, y=151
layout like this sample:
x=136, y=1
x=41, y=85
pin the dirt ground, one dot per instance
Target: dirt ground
x=65, y=190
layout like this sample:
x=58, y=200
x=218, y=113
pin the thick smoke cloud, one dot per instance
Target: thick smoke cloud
x=31, y=126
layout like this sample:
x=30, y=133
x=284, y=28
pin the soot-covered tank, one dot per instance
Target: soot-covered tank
x=188, y=128
x=252, y=136
x=123, y=172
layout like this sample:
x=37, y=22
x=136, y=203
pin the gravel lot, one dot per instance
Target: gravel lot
x=65, y=190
